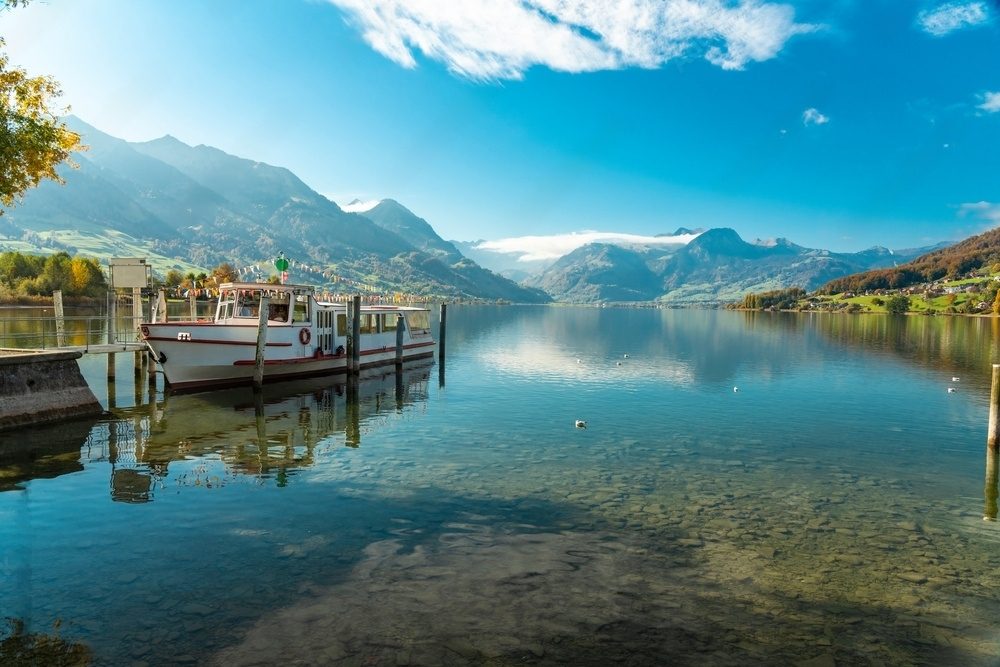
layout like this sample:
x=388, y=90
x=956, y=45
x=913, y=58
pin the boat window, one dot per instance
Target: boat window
x=368, y=323
x=247, y=305
x=277, y=312
x=301, y=312
x=225, y=310
x=341, y=324
x=388, y=321
x=418, y=319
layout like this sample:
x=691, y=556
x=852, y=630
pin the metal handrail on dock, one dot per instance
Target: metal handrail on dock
x=84, y=333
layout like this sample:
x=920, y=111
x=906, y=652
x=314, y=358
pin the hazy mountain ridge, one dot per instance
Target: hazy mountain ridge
x=930, y=264
x=185, y=206
x=715, y=267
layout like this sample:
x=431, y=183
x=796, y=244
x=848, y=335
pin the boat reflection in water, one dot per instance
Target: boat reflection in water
x=241, y=433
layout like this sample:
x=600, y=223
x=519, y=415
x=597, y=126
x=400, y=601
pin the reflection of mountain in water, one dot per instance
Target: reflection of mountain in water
x=681, y=346
x=954, y=346
x=674, y=346
x=219, y=435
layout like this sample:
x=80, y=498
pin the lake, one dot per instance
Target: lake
x=750, y=488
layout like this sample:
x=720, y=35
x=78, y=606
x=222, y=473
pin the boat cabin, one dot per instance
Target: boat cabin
x=288, y=304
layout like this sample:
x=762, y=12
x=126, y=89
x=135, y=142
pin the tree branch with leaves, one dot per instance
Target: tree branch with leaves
x=33, y=140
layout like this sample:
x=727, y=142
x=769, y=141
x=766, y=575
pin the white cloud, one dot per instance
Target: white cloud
x=991, y=102
x=535, y=248
x=986, y=211
x=501, y=39
x=358, y=206
x=814, y=117
x=952, y=16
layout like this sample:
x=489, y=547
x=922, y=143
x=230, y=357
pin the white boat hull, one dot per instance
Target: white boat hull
x=223, y=352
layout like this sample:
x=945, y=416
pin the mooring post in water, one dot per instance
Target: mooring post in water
x=112, y=336
x=991, y=439
x=193, y=304
x=258, y=364
x=400, y=389
x=352, y=430
x=161, y=307
x=992, y=479
x=443, y=325
x=136, y=319
x=57, y=304
x=151, y=367
x=355, y=361
x=400, y=326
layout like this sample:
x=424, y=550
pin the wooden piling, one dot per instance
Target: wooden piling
x=161, y=307
x=354, y=365
x=991, y=438
x=258, y=367
x=193, y=305
x=151, y=367
x=400, y=326
x=352, y=430
x=442, y=327
x=136, y=319
x=992, y=478
x=57, y=303
x=112, y=337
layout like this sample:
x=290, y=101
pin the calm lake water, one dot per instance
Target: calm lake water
x=828, y=512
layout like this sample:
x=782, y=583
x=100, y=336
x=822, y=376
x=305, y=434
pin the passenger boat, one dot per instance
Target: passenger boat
x=304, y=337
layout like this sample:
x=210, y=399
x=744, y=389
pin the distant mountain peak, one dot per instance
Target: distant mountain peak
x=169, y=140
x=684, y=231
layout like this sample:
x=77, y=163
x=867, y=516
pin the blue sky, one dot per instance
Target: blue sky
x=837, y=124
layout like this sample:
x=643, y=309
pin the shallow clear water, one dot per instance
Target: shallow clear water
x=830, y=510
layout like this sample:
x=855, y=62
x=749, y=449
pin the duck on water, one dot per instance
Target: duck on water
x=304, y=337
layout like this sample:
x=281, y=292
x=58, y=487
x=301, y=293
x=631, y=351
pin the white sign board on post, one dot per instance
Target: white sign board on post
x=129, y=272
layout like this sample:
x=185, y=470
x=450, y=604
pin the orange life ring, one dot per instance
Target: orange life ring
x=305, y=336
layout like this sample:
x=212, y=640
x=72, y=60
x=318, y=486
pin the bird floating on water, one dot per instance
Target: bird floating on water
x=618, y=363
x=626, y=356
x=735, y=389
x=955, y=379
x=581, y=424
x=951, y=390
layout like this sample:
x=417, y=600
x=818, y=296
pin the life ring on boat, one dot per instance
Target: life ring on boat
x=305, y=336
x=145, y=331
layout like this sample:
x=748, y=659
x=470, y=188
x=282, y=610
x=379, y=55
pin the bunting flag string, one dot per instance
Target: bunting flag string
x=254, y=271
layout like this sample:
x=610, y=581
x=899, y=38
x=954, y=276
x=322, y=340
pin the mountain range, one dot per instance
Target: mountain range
x=193, y=207
x=716, y=267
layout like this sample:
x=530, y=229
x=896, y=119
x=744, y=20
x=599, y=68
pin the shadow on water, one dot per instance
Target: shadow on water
x=41, y=452
x=530, y=582
x=436, y=577
x=439, y=578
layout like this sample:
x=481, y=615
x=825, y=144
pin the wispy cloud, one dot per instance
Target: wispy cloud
x=538, y=248
x=985, y=211
x=991, y=102
x=952, y=16
x=501, y=39
x=359, y=206
x=814, y=117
